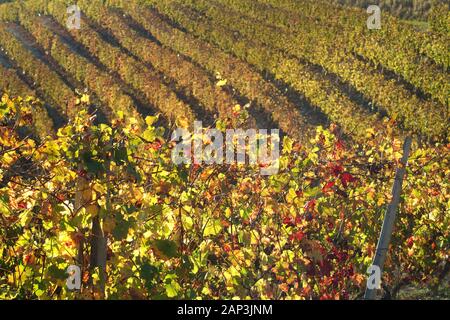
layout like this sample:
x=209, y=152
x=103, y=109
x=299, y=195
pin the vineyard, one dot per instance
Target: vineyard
x=86, y=176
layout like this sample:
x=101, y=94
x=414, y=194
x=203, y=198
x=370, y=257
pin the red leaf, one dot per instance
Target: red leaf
x=410, y=242
x=298, y=236
x=310, y=205
x=326, y=297
x=264, y=165
x=339, y=145
x=346, y=178
x=22, y=205
x=156, y=145
x=288, y=221
x=328, y=186
x=337, y=169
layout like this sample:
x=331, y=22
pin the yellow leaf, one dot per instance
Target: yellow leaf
x=85, y=98
x=182, y=122
x=150, y=120
x=221, y=83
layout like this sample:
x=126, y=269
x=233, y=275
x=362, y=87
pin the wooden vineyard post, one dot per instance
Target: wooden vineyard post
x=98, y=240
x=81, y=184
x=389, y=218
x=98, y=253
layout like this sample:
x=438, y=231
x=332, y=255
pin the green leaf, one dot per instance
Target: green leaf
x=120, y=231
x=54, y=272
x=148, y=273
x=167, y=247
x=120, y=155
x=93, y=166
x=172, y=286
x=171, y=289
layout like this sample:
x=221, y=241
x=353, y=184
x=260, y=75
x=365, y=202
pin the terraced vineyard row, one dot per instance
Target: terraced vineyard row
x=84, y=70
x=196, y=86
x=12, y=83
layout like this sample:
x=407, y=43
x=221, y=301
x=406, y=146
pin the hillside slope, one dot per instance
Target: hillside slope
x=294, y=65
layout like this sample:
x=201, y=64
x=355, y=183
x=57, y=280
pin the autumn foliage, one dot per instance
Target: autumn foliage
x=209, y=231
